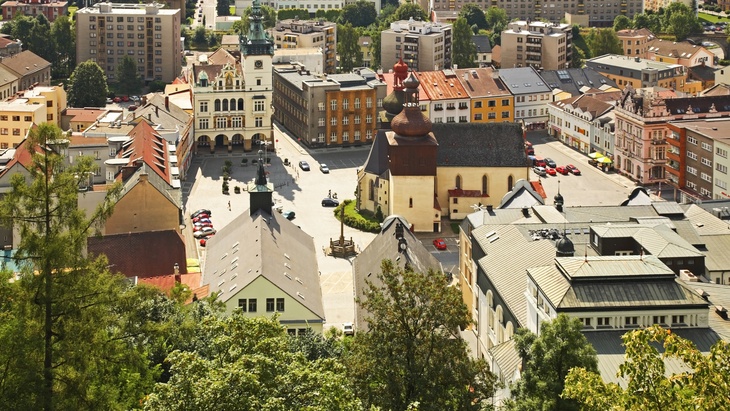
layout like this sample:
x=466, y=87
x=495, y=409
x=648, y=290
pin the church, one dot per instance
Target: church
x=423, y=171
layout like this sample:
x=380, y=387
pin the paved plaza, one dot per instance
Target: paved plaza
x=302, y=192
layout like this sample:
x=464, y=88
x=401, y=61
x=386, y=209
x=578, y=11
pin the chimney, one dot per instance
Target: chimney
x=167, y=103
x=525, y=211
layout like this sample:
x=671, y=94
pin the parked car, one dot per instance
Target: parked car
x=562, y=170
x=573, y=169
x=439, y=243
x=197, y=226
x=125, y=98
x=204, y=231
x=132, y=107
x=550, y=162
x=201, y=211
x=329, y=202
x=539, y=171
x=109, y=101
x=289, y=215
x=539, y=162
x=551, y=171
x=304, y=165
x=202, y=218
x=117, y=100
x=348, y=329
x=323, y=168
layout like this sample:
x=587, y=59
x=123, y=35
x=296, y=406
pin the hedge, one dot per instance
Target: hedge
x=354, y=219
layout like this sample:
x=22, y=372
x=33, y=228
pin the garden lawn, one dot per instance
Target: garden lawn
x=705, y=17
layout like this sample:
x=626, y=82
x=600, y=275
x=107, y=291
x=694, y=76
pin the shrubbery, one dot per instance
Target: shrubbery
x=356, y=220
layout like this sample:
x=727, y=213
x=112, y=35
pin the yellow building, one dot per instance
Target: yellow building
x=491, y=101
x=641, y=73
x=423, y=171
x=35, y=106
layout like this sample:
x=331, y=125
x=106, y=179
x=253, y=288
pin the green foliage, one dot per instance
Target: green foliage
x=360, y=14
x=379, y=214
x=682, y=24
x=375, y=45
x=464, y=50
x=200, y=36
x=704, y=386
x=348, y=48
x=578, y=58
x=64, y=40
x=222, y=7
x=269, y=17
x=286, y=14
x=407, y=10
x=546, y=360
x=87, y=86
x=412, y=353
x=652, y=22
x=128, y=80
x=354, y=219
x=604, y=41
x=315, y=346
x=474, y=16
x=246, y=364
x=156, y=85
x=329, y=15
x=496, y=23
x=621, y=22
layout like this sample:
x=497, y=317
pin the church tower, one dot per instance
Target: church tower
x=257, y=51
x=412, y=151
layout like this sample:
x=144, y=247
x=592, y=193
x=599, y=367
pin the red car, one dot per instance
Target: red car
x=125, y=99
x=204, y=240
x=439, y=243
x=551, y=171
x=199, y=224
x=562, y=170
x=117, y=100
x=573, y=169
x=200, y=217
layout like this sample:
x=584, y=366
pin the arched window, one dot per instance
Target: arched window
x=484, y=185
x=225, y=105
x=371, y=191
x=510, y=331
x=510, y=183
x=490, y=304
x=498, y=325
x=233, y=104
x=410, y=202
x=458, y=182
x=217, y=105
x=240, y=104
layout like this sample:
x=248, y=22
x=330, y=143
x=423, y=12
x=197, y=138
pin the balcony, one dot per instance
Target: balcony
x=658, y=141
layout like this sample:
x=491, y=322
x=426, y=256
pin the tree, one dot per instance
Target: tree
x=464, y=52
x=474, y=16
x=64, y=302
x=375, y=45
x=87, y=86
x=246, y=364
x=496, y=18
x=360, y=14
x=348, y=48
x=578, y=58
x=409, y=10
x=269, y=17
x=200, y=37
x=222, y=7
x=604, y=41
x=621, y=22
x=128, y=81
x=683, y=24
x=64, y=40
x=40, y=41
x=703, y=386
x=412, y=353
x=651, y=22
x=546, y=360
x=286, y=14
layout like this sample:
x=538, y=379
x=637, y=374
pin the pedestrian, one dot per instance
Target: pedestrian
x=329, y=194
x=229, y=206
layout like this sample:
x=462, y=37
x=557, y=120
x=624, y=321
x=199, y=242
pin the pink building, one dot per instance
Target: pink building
x=50, y=8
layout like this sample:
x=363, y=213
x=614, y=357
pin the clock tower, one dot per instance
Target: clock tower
x=257, y=51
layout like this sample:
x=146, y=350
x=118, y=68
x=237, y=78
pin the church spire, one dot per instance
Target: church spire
x=260, y=191
x=257, y=42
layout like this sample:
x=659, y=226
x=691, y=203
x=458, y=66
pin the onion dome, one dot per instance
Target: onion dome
x=565, y=247
x=559, y=199
x=411, y=123
x=393, y=102
x=411, y=82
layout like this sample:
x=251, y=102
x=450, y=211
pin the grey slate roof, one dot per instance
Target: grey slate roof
x=705, y=223
x=523, y=80
x=717, y=257
x=613, y=266
x=366, y=265
x=258, y=245
x=377, y=161
x=482, y=43
x=659, y=241
x=521, y=195
x=480, y=145
x=717, y=294
x=611, y=352
x=573, y=79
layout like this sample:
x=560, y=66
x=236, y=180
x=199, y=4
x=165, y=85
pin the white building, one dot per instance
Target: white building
x=585, y=123
x=531, y=93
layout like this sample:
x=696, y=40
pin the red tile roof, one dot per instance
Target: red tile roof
x=146, y=254
x=439, y=85
x=146, y=146
x=389, y=80
x=84, y=114
x=539, y=189
x=22, y=156
x=481, y=82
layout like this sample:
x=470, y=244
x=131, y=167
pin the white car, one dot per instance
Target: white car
x=348, y=329
x=204, y=232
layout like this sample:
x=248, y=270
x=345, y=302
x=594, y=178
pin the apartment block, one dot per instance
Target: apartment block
x=311, y=6
x=323, y=111
x=149, y=33
x=53, y=97
x=422, y=45
x=641, y=73
x=50, y=8
x=596, y=12
x=16, y=119
x=537, y=44
x=296, y=33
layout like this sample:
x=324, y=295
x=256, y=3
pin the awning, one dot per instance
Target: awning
x=604, y=160
x=595, y=155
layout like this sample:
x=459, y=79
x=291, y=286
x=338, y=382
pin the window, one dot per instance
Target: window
x=27, y=118
x=236, y=122
x=707, y=162
x=369, y=102
x=659, y=319
x=258, y=122
x=692, y=155
x=450, y=106
x=320, y=106
x=357, y=119
x=345, y=104
x=604, y=321
x=270, y=305
x=333, y=137
x=242, y=304
x=691, y=140
x=491, y=115
x=258, y=105
x=203, y=124
x=484, y=185
x=368, y=119
x=438, y=106
x=720, y=152
x=505, y=114
x=586, y=322
x=333, y=105
x=631, y=321
x=357, y=135
x=345, y=136
x=477, y=117
x=450, y=120
x=321, y=121
x=279, y=304
x=692, y=170
x=706, y=177
x=706, y=146
x=380, y=102
x=333, y=121
x=678, y=319
x=505, y=103
x=368, y=134
x=345, y=120
x=357, y=103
